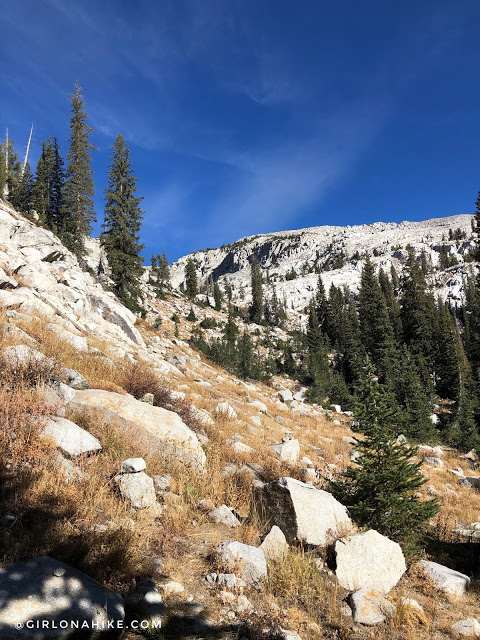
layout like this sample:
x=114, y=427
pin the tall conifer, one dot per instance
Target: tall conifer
x=79, y=186
x=123, y=221
x=380, y=488
x=256, y=308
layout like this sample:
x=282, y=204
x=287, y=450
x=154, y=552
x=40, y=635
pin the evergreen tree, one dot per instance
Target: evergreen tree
x=317, y=359
x=375, y=327
x=123, y=221
x=464, y=432
x=43, y=187
x=351, y=353
x=393, y=308
x=159, y=273
x=246, y=360
x=57, y=192
x=418, y=315
x=21, y=196
x=256, y=308
x=217, y=296
x=414, y=418
x=322, y=308
x=380, y=489
x=79, y=187
x=447, y=355
x=11, y=170
x=191, y=282
x=164, y=270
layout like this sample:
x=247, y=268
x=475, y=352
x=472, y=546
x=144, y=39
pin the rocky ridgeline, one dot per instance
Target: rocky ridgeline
x=270, y=440
x=303, y=250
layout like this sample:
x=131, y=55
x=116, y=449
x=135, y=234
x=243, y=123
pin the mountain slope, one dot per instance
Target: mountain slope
x=291, y=259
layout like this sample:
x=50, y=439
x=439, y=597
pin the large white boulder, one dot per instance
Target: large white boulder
x=48, y=590
x=152, y=428
x=451, y=582
x=70, y=438
x=303, y=513
x=369, y=560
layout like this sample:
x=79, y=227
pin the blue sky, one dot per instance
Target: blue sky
x=249, y=116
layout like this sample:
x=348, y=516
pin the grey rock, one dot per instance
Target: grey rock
x=474, y=481
x=162, y=484
x=261, y=406
x=469, y=627
x=73, y=379
x=21, y=355
x=224, y=409
x=69, y=470
x=447, y=580
x=303, y=513
x=70, y=438
x=152, y=428
x=146, y=603
x=244, y=559
x=133, y=465
x=274, y=545
x=370, y=560
x=48, y=590
x=64, y=392
x=370, y=607
x=287, y=451
x=225, y=516
x=137, y=489
x=435, y=462
x=285, y=396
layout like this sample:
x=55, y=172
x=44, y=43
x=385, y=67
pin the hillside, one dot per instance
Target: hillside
x=292, y=259
x=129, y=458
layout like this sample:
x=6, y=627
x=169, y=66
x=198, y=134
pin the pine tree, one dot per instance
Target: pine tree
x=57, y=191
x=393, y=308
x=418, y=316
x=350, y=353
x=464, y=432
x=79, y=186
x=380, y=489
x=375, y=327
x=256, y=308
x=123, y=221
x=447, y=354
x=191, y=282
x=11, y=171
x=416, y=408
x=43, y=187
x=163, y=270
x=317, y=359
x=217, y=296
x=21, y=196
x=246, y=361
x=323, y=310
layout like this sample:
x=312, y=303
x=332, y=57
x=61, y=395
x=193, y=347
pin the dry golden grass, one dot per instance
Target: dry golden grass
x=60, y=519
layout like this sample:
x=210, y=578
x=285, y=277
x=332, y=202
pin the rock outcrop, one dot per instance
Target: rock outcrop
x=303, y=513
x=369, y=560
x=153, y=428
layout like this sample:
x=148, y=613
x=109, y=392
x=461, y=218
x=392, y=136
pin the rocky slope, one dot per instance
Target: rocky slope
x=297, y=254
x=207, y=511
